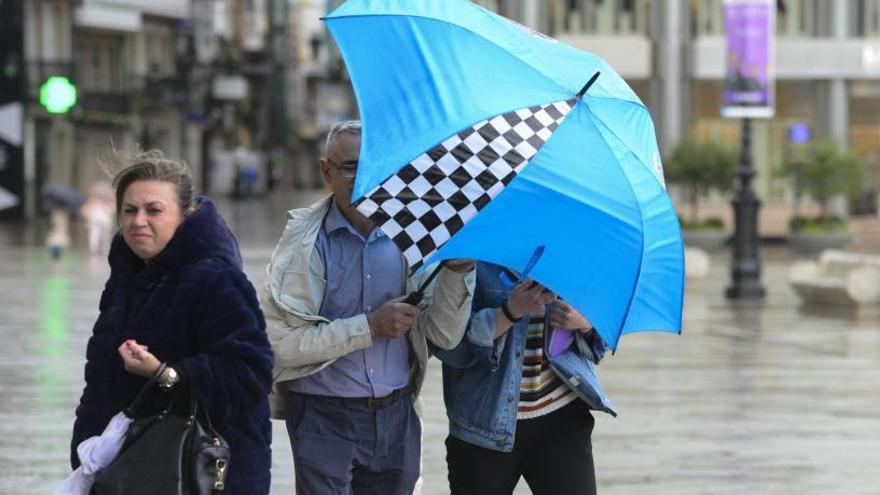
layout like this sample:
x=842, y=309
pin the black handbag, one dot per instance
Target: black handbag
x=166, y=454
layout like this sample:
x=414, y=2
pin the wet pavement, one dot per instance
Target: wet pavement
x=754, y=398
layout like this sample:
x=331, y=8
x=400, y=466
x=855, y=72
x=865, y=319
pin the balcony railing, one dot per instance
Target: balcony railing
x=159, y=88
x=600, y=18
x=799, y=18
x=865, y=16
x=806, y=18
x=104, y=102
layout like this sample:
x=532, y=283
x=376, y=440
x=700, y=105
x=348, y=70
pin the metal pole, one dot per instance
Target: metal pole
x=278, y=118
x=530, y=14
x=745, y=269
x=671, y=73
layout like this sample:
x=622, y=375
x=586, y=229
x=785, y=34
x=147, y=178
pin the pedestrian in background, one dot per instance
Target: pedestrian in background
x=177, y=294
x=98, y=213
x=514, y=409
x=58, y=238
x=61, y=200
x=350, y=354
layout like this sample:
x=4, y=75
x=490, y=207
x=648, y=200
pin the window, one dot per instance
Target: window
x=600, y=16
x=866, y=18
x=793, y=17
x=101, y=68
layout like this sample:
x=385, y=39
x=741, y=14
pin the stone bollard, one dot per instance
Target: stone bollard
x=863, y=285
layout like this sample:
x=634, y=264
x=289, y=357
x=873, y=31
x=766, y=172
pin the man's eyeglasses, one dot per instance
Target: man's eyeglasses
x=347, y=169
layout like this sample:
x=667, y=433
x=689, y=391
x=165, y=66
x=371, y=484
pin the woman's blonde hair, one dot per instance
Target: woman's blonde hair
x=153, y=165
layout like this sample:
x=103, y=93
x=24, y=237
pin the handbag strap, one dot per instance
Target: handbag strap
x=148, y=387
x=144, y=391
x=194, y=411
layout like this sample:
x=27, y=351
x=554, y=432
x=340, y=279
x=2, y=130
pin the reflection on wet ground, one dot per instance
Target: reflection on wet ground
x=766, y=397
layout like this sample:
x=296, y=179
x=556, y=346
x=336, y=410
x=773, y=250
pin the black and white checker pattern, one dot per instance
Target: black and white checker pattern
x=428, y=200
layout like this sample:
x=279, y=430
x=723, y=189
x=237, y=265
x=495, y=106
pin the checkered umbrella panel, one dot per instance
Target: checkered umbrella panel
x=432, y=197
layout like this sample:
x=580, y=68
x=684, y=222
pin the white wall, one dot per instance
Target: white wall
x=629, y=55
x=798, y=58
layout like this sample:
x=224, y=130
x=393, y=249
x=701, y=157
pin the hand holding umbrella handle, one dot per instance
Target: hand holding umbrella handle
x=528, y=296
x=414, y=298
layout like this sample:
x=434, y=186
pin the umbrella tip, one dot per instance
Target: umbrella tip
x=583, y=90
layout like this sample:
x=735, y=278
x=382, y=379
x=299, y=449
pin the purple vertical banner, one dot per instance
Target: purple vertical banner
x=749, y=81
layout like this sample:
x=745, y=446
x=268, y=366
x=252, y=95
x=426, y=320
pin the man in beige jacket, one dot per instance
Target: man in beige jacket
x=350, y=355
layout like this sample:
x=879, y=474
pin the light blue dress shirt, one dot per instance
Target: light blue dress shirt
x=361, y=275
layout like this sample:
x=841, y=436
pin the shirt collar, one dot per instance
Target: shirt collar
x=335, y=220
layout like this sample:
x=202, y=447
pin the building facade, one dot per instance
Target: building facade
x=122, y=57
x=322, y=94
x=204, y=80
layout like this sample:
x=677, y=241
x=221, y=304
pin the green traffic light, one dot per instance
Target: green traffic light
x=57, y=94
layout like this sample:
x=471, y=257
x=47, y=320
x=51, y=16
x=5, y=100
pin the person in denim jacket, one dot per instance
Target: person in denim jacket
x=512, y=410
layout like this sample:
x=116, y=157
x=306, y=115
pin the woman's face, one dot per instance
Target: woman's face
x=150, y=216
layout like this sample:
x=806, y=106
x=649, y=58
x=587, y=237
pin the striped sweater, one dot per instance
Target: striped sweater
x=541, y=391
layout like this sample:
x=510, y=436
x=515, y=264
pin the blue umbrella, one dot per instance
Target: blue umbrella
x=484, y=139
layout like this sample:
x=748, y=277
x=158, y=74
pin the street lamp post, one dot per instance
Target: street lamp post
x=745, y=269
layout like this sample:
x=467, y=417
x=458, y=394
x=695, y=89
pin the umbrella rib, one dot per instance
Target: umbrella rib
x=629, y=102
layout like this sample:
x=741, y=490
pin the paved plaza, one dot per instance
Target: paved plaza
x=753, y=398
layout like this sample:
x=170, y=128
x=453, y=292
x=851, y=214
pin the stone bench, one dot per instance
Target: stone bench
x=839, y=277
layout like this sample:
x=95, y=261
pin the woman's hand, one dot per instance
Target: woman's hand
x=563, y=315
x=528, y=297
x=137, y=359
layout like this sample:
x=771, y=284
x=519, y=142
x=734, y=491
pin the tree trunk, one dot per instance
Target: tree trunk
x=694, y=198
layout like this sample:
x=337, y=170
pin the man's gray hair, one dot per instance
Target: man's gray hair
x=350, y=127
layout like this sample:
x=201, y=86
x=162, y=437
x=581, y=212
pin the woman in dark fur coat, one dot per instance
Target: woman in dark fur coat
x=177, y=295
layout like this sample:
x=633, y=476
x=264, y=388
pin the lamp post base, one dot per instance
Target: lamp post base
x=746, y=290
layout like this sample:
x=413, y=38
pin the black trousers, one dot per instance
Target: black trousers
x=553, y=453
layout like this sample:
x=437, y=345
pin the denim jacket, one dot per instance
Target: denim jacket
x=481, y=376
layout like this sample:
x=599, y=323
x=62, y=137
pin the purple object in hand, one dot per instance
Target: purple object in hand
x=560, y=339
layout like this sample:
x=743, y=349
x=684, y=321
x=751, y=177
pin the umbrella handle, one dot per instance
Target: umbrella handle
x=414, y=298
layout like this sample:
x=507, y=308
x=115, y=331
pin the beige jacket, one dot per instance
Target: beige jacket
x=305, y=343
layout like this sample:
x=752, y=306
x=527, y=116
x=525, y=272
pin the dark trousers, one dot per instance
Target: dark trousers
x=343, y=447
x=553, y=453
